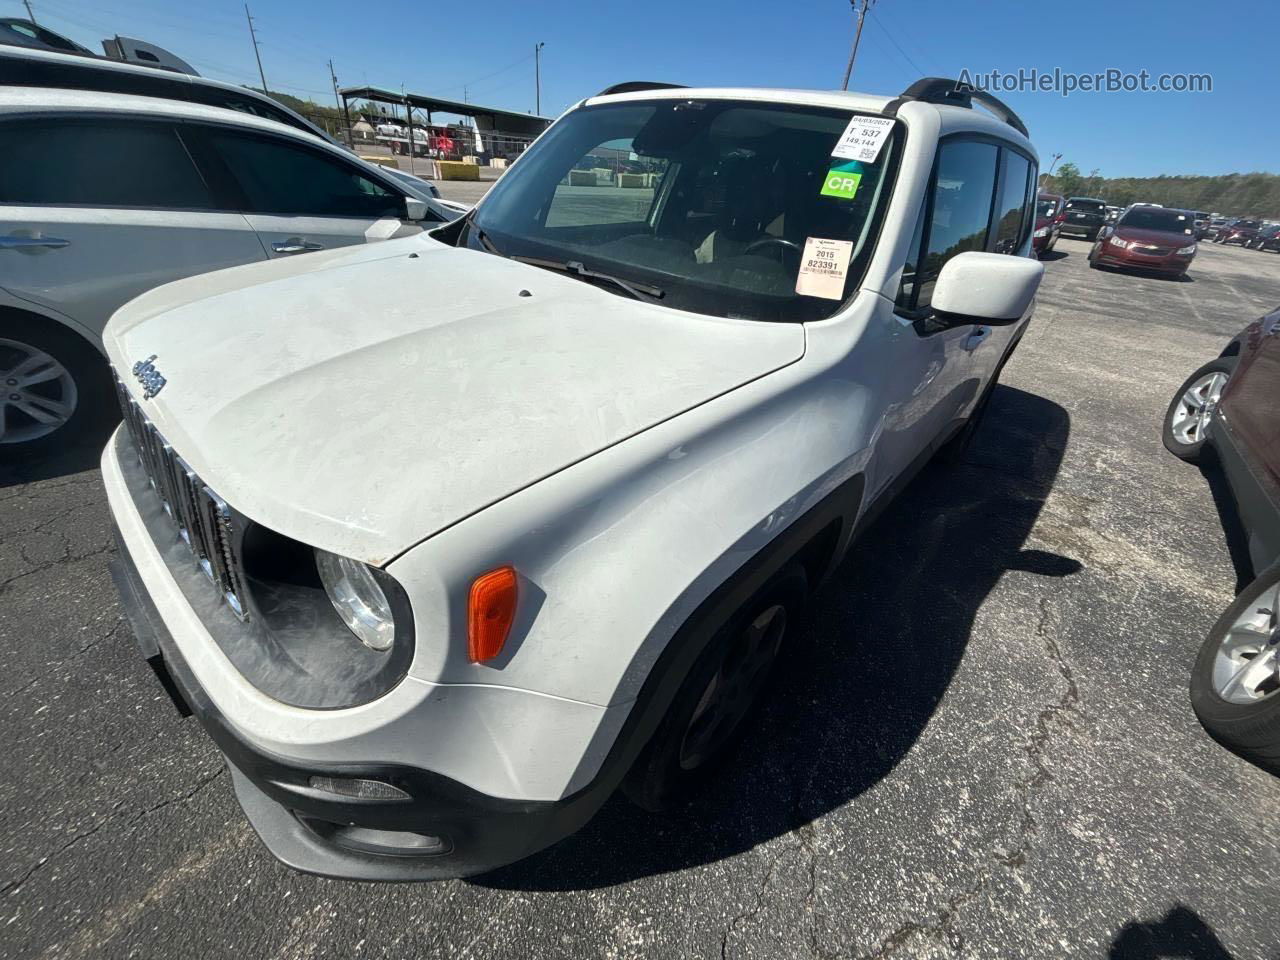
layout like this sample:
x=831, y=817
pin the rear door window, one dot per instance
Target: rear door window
x=277, y=177
x=1011, y=207
x=99, y=164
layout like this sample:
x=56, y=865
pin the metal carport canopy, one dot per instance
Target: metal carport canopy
x=505, y=121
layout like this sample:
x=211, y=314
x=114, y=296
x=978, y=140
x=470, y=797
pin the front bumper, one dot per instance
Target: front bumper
x=311, y=830
x=440, y=745
x=1127, y=260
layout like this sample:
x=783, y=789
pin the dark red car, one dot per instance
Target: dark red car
x=1231, y=406
x=1160, y=239
x=1241, y=232
x=1049, y=207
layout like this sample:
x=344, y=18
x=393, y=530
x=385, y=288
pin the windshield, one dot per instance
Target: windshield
x=1157, y=218
x=1248, y=224
x=1087, y=206
x=710, y=202
x=1046, y=208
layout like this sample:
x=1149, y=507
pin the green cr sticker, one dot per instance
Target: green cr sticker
x=842, y=181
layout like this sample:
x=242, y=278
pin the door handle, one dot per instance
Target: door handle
x=977, y=338
x=296, y=245
x=13, y=242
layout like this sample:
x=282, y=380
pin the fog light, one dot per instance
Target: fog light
x=359, y=789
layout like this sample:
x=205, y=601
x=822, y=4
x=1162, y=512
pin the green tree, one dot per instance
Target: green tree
x=1068, y=179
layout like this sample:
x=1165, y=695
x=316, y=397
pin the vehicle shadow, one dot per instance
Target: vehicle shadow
x=882, y=641
x=1051, y=255
x=84, y=455
x=1179, y=933
x=1233, y=528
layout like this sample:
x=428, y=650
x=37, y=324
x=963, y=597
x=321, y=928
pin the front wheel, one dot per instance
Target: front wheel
x=709, y=712
x=1189, y=417
x=1236, y=678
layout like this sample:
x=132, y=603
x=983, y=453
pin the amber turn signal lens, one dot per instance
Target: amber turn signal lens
x=490, y=611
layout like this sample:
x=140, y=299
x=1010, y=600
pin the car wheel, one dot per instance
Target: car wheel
x=710, y=711
x=1187, y=421
x=56, y=389
x=1235, y=683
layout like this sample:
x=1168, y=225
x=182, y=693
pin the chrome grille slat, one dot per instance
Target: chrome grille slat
x=204, y=521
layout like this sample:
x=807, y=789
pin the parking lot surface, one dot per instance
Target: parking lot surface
x=983, y=748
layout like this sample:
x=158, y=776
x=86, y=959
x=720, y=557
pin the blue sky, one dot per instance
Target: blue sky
x=439, y=48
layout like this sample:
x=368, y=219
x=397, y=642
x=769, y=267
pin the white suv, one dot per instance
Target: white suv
x=103, y=196
x=446, y=538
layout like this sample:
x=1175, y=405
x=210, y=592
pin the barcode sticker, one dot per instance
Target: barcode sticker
x=863, y=138
x=823, y=268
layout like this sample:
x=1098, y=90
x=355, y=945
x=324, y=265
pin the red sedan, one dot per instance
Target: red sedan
x=1049, y=207
x=1159, y=239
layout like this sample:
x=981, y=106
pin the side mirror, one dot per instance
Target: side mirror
x=986, y=288
x=415, y=209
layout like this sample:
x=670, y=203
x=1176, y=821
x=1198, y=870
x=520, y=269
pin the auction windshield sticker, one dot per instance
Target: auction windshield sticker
x=862, y=139
x=823, y=268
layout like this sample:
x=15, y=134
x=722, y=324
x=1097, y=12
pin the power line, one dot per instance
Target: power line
x=879, y=22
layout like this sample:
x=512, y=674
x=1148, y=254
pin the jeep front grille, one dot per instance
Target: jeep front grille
x=204, y=521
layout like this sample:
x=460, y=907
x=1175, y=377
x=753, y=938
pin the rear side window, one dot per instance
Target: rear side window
x=278, y=177
x=99, y=164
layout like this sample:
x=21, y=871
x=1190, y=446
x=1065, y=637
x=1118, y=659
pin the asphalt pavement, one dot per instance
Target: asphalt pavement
x=983, y=748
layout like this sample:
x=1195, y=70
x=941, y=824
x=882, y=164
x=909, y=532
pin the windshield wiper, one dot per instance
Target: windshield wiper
x=483, y=238
x=640, y=291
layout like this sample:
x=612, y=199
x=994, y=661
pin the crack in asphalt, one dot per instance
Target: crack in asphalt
x=11, y=887
x=1060, y=712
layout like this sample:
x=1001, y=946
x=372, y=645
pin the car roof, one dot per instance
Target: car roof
x=44, y=99
x=90, y=63
x=952, y=119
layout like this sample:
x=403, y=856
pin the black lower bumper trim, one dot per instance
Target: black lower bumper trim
x=479, y=833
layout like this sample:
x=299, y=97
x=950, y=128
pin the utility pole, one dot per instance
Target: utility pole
x=1056, y=158
x=537, y=78
x=862, y=13
x=30, y=16
x=342, y=105
x=254, y=36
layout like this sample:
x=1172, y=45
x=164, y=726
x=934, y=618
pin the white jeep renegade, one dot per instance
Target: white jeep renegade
x=446, y=538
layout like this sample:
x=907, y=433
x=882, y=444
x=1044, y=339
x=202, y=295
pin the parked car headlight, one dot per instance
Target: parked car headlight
x=1117, y=242
x=359, y=600
x=1187, y=251
x=1042, y=232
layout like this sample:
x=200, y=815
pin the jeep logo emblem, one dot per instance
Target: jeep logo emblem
x=150, y=378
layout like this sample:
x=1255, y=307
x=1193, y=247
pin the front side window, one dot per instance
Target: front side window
x=280, y=178
x=99, y=164
x=1046, y=208
x=961, y=212
x=709, y=202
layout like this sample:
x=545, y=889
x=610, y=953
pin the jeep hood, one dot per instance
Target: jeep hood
x=361, y=400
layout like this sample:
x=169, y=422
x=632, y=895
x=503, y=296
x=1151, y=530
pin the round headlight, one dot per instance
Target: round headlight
x=359, y=600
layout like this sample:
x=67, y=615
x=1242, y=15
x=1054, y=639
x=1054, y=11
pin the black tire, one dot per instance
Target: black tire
x=95, y=408
x=672, y=765
x=1191, y=452
x=1251, y=730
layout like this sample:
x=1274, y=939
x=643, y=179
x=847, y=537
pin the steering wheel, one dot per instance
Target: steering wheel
x=766, y=241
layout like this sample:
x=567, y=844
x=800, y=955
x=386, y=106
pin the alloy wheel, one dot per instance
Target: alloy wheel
x=37, y=394
x=1194, y=411
x=1246, y=668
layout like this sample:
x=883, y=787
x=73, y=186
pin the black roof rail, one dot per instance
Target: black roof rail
x=632, y=86
x=955, y=94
